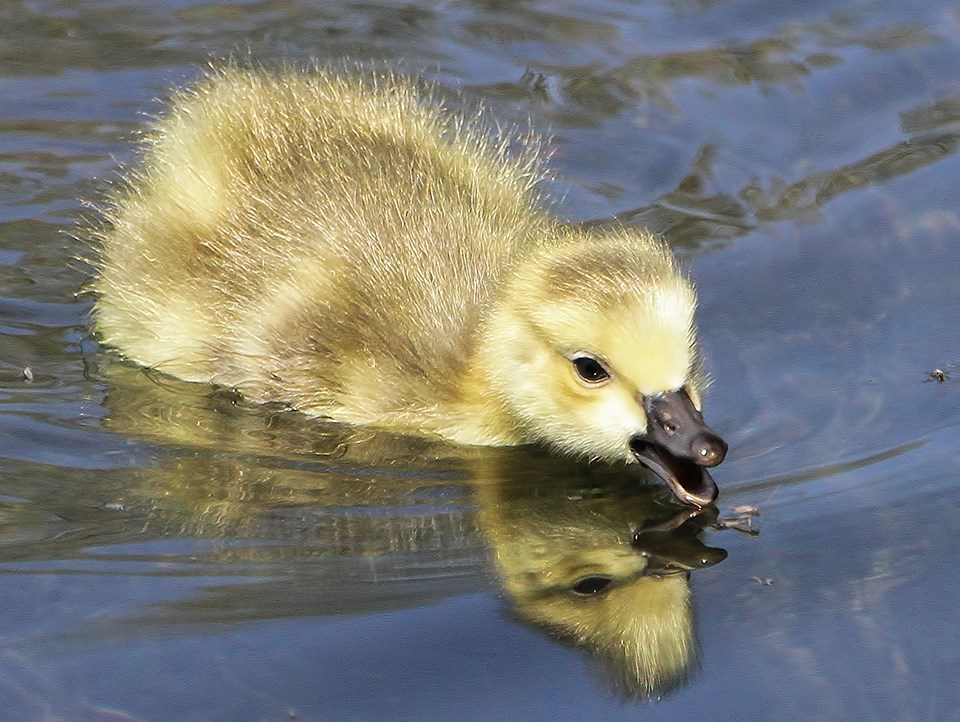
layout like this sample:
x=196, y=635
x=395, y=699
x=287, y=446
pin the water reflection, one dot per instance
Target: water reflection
x=606, y=571
x=331, y=519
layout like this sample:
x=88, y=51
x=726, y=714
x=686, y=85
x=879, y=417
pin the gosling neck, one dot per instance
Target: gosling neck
x=485, y=417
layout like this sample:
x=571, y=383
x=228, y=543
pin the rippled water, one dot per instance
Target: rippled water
x=167, y=554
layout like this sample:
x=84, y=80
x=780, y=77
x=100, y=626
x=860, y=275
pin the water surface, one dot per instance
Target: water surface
x=168, y=554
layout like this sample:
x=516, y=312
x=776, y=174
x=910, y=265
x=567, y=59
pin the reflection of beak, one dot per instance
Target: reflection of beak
x=679, y=446
x=672, y=546
x=676, y=556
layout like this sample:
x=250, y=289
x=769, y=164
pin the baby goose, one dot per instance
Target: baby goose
x=346, y=246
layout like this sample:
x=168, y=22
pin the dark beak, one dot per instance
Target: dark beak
x=679, y=446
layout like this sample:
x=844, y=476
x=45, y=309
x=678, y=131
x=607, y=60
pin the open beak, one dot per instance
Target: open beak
x=679, y=447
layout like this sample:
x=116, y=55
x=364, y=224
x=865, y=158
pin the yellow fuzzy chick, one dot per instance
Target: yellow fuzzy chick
x=345, y=245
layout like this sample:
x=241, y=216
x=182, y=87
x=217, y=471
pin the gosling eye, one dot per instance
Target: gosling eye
x=591, y=586
x=590, y=370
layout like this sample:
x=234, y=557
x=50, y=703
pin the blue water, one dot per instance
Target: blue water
x=166, y=554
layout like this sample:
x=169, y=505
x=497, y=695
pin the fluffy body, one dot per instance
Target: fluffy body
x=348, y=247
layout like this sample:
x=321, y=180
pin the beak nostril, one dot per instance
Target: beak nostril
x=708, y=451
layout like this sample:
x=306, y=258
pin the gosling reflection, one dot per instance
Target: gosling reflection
x=606, y=571
x=595, y=558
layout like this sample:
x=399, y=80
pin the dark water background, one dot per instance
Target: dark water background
x=168, y=555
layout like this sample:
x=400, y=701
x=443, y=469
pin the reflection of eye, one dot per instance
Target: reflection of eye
x=589, y=586
x=590, y=370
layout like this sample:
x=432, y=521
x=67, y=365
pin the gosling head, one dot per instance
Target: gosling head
x=594, y=353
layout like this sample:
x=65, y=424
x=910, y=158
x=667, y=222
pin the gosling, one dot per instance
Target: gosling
x=345, y=245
